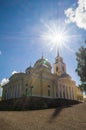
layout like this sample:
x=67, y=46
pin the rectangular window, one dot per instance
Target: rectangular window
x=48, y=90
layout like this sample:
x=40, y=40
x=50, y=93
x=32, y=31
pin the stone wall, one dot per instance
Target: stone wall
x=34, y=103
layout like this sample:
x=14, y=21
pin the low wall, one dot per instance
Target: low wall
x=34, y=103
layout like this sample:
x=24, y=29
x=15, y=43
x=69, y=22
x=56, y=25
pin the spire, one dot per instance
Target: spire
x=42, y=55
x=57, y=52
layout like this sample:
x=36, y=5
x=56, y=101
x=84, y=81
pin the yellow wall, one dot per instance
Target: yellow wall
x=39, y=83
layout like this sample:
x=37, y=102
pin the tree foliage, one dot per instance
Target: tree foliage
x=82, y=86
x=81, y=65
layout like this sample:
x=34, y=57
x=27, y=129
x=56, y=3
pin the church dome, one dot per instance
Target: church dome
x=43, y=62
x=28, y=70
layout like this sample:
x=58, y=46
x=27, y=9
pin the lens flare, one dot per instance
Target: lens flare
x=56, y=34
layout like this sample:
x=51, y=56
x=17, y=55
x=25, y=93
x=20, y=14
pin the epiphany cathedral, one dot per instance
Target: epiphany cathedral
x=41, y=82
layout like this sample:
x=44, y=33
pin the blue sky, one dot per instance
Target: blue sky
x=20, y=29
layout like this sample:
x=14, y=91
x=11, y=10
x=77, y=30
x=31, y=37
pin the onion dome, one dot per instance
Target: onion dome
x=42, y=63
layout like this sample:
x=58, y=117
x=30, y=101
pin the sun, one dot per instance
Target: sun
x=56, y=37
x=55, y=34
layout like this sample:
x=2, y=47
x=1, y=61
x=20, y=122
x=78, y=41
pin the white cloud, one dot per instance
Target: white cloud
x=4, y=81
x=78, y=15
x=0, y=52
x=14, y=72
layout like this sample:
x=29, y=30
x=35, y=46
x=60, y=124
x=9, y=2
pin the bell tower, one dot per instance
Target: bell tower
x=59, y=65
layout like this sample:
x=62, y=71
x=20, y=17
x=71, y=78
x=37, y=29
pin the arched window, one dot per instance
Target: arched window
x=48, y=90
x=26, y=90
x=57, y=69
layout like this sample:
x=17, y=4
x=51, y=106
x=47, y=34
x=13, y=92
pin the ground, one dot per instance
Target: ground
x=61, y=118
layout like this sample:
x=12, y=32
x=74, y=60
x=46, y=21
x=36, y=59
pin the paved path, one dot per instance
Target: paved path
x=67, y=118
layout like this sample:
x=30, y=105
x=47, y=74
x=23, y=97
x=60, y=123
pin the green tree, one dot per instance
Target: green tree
x=81, y=66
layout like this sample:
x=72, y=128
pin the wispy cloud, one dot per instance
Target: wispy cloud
x=77, y=15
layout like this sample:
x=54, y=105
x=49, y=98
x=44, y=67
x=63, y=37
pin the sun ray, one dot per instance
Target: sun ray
x=57, y=35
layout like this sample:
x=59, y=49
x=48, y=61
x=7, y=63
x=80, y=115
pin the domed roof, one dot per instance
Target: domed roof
x=42, y=61
x=28, y=69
